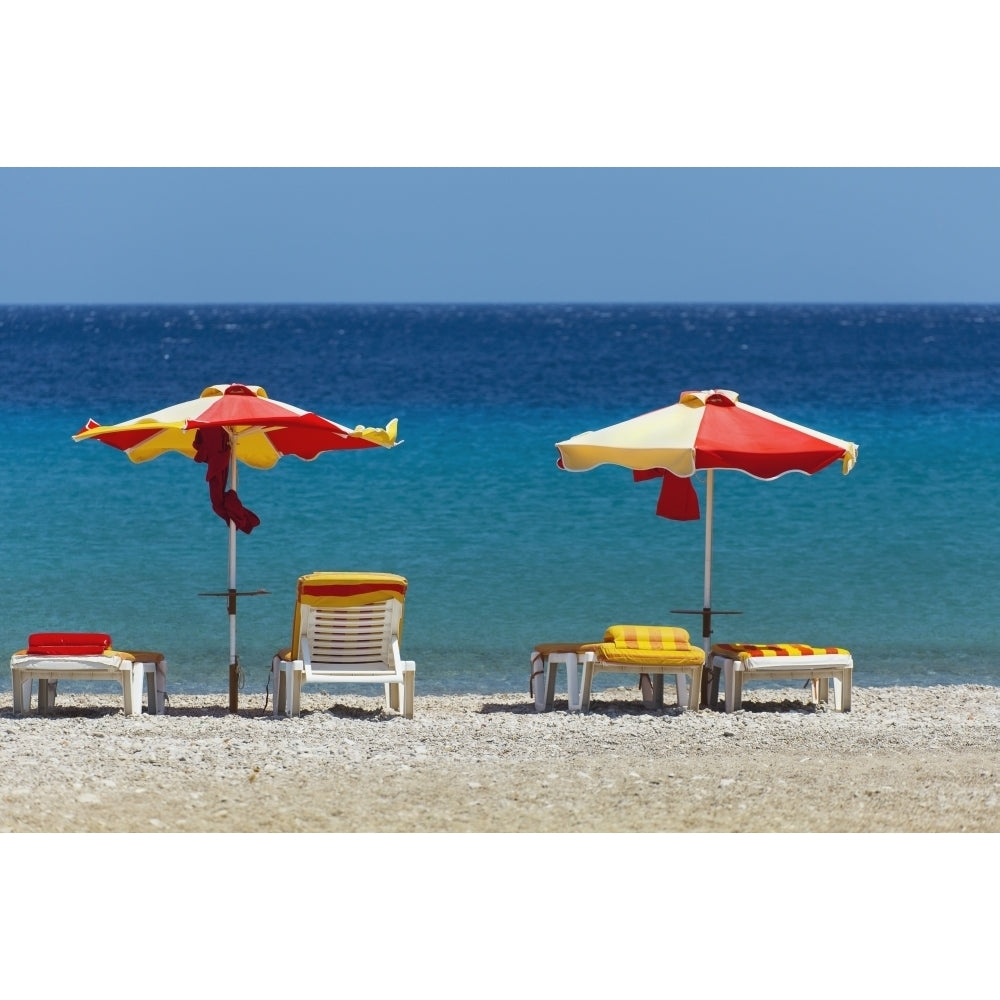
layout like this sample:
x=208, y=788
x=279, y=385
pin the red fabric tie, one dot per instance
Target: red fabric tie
x=212, y=447
x=678, y=500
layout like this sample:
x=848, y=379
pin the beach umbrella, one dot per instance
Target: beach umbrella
x=705, y=430
x=226, y=425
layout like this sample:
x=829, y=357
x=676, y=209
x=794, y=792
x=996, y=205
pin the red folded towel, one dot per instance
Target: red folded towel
x=68, y=643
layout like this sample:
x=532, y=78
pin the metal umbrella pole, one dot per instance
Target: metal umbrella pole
x=706, y=612
x=709, y=678
x=234, y=663
x=235, y=671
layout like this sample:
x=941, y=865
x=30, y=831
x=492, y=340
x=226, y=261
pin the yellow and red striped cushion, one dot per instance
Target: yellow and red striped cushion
x=648, y=637
x=608, y=652
x=749, y=651
x=346, y=590
x=648, y=646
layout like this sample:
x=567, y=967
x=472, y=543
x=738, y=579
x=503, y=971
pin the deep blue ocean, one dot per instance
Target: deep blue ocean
x=899, y=561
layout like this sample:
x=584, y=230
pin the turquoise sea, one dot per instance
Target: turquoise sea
x=899, y=561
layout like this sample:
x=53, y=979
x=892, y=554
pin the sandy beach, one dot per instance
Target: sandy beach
x=903, y=760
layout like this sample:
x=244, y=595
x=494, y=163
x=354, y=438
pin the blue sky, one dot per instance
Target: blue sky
x=534, y=151
x=117, y=235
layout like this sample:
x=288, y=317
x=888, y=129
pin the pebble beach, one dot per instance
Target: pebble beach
x=904, y=759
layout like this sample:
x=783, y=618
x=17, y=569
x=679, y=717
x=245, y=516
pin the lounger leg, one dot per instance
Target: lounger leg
x=161, y=687
x=296, y=689
x=734, y=685
x=656, y=692
x=646, y=689
x=550, y=684
x=409, y=679
x=842, y=691
x=46, y=694
x=286, y=678
x=713, y=701
x=22, y=692
x=278, y=685
x=681, y=683
x=738, y=689
x=694, y=695
x=588, y=680
x=536, y=680
x=132, y=688
x=837, y=685
x=392, y=696
x=821, y=690
x=573, y=681
x=149, y=677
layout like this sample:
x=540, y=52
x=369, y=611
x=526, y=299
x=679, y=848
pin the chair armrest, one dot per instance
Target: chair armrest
x=398, y=663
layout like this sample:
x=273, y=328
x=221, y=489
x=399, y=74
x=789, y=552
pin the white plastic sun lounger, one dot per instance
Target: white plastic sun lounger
x=742, y=661
x=650, y=651
x=86, y=656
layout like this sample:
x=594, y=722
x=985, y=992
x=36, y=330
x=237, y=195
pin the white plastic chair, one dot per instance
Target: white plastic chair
x=346, y=630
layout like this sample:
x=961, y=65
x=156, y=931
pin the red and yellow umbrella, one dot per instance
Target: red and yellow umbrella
x=225, y=425
x=705, y=430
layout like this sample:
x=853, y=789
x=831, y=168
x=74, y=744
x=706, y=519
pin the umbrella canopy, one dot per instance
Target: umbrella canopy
x=225, y=425
x=705, y=430
x=260, y=429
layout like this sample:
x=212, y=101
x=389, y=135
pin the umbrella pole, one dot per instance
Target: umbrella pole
x=709, y=681
x=234, y=665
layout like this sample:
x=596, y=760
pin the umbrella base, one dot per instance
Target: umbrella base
x=710, y=674
x=710, y=688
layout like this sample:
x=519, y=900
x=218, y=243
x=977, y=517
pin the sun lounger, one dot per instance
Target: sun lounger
x=652, y=652
x=741, y=662
x=346, y=630
x=77, y=656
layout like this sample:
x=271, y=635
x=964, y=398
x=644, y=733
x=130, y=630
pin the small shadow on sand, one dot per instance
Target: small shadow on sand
x=373, y=712
x=608, y=707
x=598, y=706
x=377, y=714
x=785, y=705
x=69, y=712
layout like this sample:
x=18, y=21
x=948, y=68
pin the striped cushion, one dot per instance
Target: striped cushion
x=747, y=650
x=649, y=646
x=650, y=637
x=649, y=659
x=344, y=590
x=329, y=590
